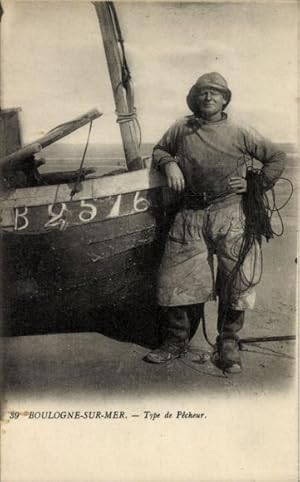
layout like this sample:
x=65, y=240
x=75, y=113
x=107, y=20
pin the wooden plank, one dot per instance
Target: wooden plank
x=64, y=216
x=129, y=286
x=114, y=228
x=66, y=176
x=78, y=301
x=61, y=254
x=105, y=249
x=90, y=189
x=52, y=136
x=10, y=134
x=30, y=252
x=87, y=234
x=14, y=160
x=58, y=271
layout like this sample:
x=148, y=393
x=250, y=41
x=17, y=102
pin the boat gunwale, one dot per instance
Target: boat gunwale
x=95, y=188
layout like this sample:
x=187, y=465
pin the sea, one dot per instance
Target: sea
x=103, y=157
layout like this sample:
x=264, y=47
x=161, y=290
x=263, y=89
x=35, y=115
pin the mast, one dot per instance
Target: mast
x=121, y=82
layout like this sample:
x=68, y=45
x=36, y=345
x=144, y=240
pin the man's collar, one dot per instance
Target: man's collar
x=198, y=121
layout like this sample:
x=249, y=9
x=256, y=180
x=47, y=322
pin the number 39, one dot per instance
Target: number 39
x=14, y=415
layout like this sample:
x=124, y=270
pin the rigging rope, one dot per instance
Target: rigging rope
x=129, y=116
x=79, y=177
x=126, y=75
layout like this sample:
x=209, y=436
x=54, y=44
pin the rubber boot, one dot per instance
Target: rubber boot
x=227, y=353
x=178, y=329
x=230, y=322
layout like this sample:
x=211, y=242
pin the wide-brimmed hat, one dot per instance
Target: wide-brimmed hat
x=212, y=80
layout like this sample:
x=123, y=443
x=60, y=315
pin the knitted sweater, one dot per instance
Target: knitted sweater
x=210, y=153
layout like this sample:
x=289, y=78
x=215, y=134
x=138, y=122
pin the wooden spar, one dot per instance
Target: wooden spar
x=17, y=157
x=54, y=135
x=263, y=339
x=114, y=62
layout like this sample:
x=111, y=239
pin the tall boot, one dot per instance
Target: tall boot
x=230, y=322
x=195, y=314
x=227, y=353
x=177, y=335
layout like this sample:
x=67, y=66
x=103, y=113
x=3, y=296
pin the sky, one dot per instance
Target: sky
x=53, y=64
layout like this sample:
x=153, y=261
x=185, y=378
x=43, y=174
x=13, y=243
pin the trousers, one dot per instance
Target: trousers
x=188, y=273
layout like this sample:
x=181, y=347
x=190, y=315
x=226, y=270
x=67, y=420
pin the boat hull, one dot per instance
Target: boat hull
x=100, y=248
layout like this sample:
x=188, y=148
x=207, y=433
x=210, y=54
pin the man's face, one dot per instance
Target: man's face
x=210, y=103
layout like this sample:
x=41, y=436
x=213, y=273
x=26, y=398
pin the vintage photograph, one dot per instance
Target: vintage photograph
x=148, y=216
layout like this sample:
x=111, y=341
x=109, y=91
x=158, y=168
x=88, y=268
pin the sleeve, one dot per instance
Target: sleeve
x=166, y=149
x=272, y=158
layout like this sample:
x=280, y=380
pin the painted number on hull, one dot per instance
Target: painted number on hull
x=140, y=204
x=88, y=213
x=59, y=215
x=56, y=218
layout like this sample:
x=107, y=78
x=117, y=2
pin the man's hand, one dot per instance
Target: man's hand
x=238, y=184
x=174, y=176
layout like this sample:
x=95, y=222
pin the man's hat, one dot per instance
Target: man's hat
x=212, y=80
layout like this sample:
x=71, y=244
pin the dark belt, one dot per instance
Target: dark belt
x=204, y=200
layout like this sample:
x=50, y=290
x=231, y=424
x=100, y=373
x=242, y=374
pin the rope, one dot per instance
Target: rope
x=126, y=75
x=64, y=124
x=258, y=215
x=131, y=116
x=258, y=212
x=79, y=177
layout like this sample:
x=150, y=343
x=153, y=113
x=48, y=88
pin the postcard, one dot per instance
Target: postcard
x=149, y=182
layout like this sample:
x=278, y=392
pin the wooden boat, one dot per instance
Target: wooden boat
x=89, y=241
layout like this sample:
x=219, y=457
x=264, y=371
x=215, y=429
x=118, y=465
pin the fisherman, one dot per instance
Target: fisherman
x=205, y=158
